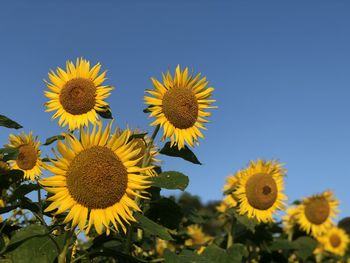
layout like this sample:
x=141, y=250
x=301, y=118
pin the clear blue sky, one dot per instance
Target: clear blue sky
x=281, y=72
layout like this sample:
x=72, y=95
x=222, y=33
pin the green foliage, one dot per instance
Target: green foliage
x=184, y=153
x=52, y=139
x=171, y=180
x=8, y=154
x=152, y=227
x=106, y=113
x=8, y=123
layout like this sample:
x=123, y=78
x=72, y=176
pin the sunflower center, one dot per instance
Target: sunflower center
x=96, y=178
x=180, y=107
x=317, y=211
x=261, y=191
x=335, y=240
x=78, y=96
x=27, y=157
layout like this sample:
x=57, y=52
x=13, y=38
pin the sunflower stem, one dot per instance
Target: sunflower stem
x=145, y=162
x=62, y=257
x=230, y=236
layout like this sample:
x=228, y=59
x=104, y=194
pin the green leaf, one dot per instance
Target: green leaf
x=165, y=212
x=33, y=244
x=53, y=139
x=184, y=153
x=237, y=252
x=10, y=177
x=345, y=224
x=248, y=223
x=171, y=257
x=282, y=244
x=106, y=113
x=9, y=153
x=137, y=136
x=26, y=203
x=8, y=123
x=305, y=247
x=147, y=110
x=152, y=227
x=216, y=254
x=24, y=189
x=188, y=256
x=171, y=180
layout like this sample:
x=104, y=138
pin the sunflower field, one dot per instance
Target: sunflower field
x=97, y=196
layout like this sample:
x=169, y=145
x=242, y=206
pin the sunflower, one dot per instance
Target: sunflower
x=260, y=190
x=335, y=241
x=28, y=159
x=142, y=144
x=227, y=203
x=289, y=220
x=2, y=205
x=96, y=179
x=179, y=106
x=4, y=167
x=77, y=94
x=197, y=236
x=315, y=214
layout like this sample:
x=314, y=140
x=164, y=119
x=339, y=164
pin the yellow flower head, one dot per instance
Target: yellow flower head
x=290, y=220
x=97, y=179
x=28, y=159
x=315, y=214
x=142, y=143
x=2, y=205
x=335, y=241
x=260, y=190
x=4, y=167
x=77, y=94
x=179, y=105
x=197, y=236
x=228, y=202
x=231, y=181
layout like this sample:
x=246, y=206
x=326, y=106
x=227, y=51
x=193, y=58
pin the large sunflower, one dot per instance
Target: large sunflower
x=316, y=213
x=335, y=240
x=97, y=179
x=77, y=94
x=260, y=190
x=28, y=159
x=179, y=106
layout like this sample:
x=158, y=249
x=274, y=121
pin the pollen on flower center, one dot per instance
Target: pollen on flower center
x=180, y=107
x=96, y=178
x=27, y=157
x=261, y=191
x=78, y=96
x=317, y=211
x=335, y=240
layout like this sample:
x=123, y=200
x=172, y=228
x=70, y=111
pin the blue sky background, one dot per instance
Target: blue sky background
x=280, y=69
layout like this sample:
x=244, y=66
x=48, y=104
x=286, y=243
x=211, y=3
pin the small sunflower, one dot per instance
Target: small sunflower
x=231, y=182
x=142, y=145
x=197, y=236
x=179, y=106
x=77, y=93
x=290, y=220
x=227, y=203
x=335, y=241
x=260, y=190
x=316, y=213
x=97, y=179
x=4, y=167
x=28, y=159
x=2, y=205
